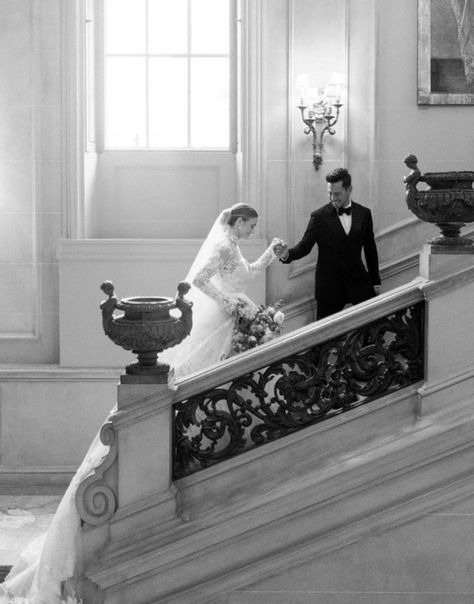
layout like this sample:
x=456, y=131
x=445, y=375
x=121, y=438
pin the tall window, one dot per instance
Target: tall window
x=168, y=74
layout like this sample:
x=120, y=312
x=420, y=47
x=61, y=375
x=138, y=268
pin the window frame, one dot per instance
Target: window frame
x=80, y=158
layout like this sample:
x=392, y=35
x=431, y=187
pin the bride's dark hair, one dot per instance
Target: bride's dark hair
x=239, y=210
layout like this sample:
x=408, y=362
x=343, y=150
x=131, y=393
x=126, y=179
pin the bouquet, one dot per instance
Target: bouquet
x=256, y=326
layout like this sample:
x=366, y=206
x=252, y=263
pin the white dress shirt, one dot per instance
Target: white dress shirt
x=346, y=219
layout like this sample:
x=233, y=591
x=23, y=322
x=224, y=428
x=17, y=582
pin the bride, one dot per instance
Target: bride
x=47, y=570
x=218, y=276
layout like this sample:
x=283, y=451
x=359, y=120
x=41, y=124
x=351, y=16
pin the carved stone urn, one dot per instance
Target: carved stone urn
x=146, y=328
x=448, y=202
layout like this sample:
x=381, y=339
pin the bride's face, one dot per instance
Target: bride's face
x=246, y=227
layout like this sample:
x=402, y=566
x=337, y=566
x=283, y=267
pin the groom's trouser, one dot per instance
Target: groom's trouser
x=326, y=306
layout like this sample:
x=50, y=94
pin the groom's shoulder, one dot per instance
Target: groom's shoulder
x=324, y=210
x=362, y=209
x=360, y=206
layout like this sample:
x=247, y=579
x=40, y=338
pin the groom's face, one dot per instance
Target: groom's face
x=338, y=195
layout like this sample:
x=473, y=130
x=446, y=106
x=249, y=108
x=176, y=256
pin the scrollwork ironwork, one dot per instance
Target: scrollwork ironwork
x=320, y=382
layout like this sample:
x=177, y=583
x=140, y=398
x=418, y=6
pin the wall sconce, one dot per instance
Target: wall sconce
x=320, y=111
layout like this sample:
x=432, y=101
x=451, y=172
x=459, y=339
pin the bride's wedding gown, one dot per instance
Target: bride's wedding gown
x=43, y=573
x=218, y=284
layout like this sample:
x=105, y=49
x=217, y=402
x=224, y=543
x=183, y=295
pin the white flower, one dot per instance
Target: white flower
x=279, y=317
x=247, y=311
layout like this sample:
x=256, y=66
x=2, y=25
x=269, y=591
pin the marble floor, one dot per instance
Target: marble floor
x=22, y=519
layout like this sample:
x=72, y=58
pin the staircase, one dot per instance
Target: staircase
x=262, y=525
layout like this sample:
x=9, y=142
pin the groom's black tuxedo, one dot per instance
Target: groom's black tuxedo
x=341, y=276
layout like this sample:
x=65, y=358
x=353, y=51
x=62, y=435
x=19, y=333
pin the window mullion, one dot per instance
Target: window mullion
x=100, y=74
x=147, y=78
x=235, y=16
x=189, y=73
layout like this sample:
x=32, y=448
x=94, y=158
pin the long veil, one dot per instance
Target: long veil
x=215, y=235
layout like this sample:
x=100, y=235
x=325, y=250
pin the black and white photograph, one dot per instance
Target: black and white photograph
x=237, y=281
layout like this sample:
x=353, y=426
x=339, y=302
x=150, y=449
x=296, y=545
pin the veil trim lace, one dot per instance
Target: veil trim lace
x=219, y=232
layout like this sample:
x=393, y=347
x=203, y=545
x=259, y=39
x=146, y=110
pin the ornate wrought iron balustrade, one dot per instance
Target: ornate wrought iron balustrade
x=317, y=383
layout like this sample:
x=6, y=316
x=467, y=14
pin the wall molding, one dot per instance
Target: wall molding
x=131, y=250
x=447, y=383
x=73, y=14
x=252, y=119
x=399, y=266
x=35, y=481
x=32, y=307
x=55, y=373
x=298, y=269
x=299, y=307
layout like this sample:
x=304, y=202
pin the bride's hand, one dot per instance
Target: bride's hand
x=276, y=241
x=279, y=247
x=243, y=306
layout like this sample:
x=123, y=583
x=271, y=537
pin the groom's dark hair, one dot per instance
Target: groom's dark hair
x=340, y=174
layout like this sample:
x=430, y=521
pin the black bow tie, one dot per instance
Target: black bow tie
x=342, y=211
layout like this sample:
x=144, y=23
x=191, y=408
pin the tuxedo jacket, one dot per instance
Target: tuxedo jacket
x=340, y=272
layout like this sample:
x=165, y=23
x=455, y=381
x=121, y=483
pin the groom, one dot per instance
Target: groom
x=341, y=228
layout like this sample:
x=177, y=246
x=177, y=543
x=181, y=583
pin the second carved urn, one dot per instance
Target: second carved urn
x=448, y=202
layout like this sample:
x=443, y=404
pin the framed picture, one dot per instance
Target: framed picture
x=446, y=52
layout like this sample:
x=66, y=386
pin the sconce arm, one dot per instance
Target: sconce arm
x=314, y=126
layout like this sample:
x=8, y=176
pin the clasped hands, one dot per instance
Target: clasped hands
x=280, y=247
x=241, y=305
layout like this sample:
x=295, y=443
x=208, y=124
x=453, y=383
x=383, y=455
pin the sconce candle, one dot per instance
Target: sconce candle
x=319, y=120
x=321, y=113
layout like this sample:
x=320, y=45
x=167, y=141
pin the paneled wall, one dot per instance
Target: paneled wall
x=385, y=122
x=312, y=41
x=160, y=195
x=30, y=179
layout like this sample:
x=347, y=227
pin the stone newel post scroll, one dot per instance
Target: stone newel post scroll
x=146, y=328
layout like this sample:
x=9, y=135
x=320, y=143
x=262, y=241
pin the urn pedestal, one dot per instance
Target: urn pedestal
x=448, y=203
x=146, y=328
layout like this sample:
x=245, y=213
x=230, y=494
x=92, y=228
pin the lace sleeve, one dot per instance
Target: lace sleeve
x=202, y=280
x=261, y=263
